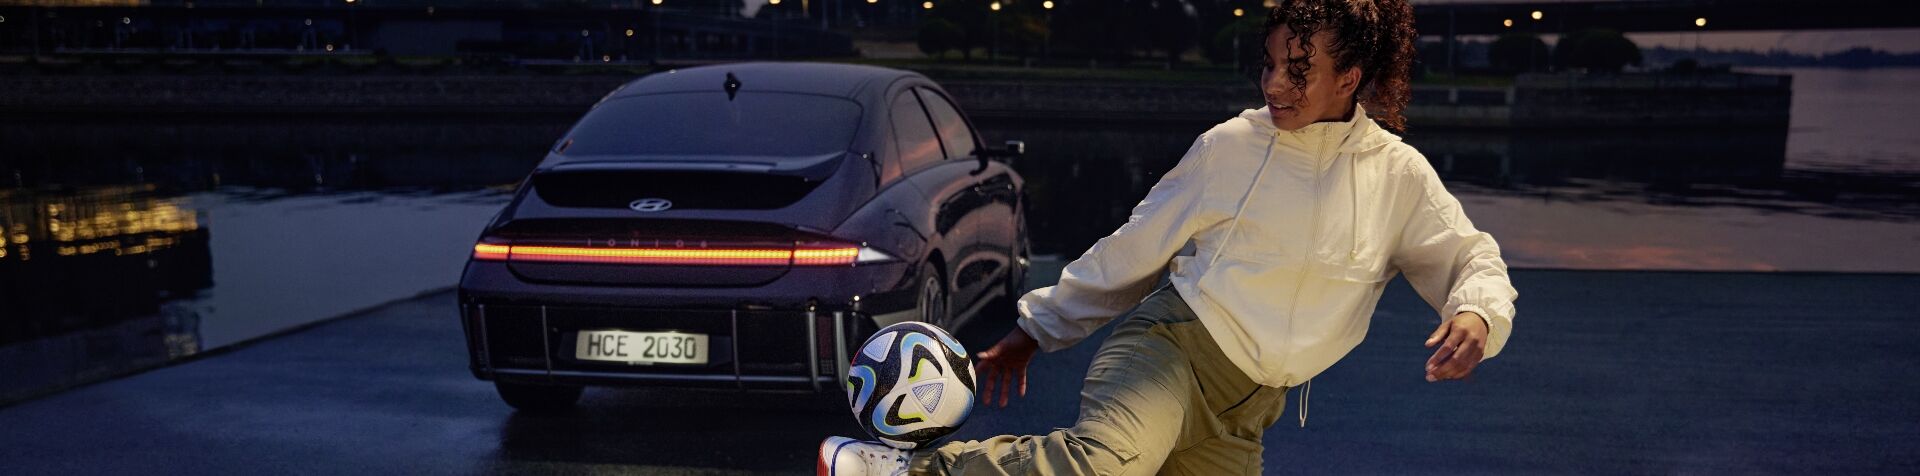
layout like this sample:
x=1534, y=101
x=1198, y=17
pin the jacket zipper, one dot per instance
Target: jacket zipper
x=1299, y=280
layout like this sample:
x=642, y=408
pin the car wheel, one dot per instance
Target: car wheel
x=1015, y=284
x=933, y=299
x=539, y=398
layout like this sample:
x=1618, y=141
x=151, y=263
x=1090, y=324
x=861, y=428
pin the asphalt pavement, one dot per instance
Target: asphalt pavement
x=1607, y=373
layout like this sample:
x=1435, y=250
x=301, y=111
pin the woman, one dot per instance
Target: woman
x=1300, y=213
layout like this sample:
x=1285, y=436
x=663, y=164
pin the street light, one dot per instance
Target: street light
x=1507, y=23
x=1046, y=49
x=653, y=34
x=926, y=5
x=1239, y=12
x=993, y=27
x=353, y=30
x=1702, y=24
x=1536, y=15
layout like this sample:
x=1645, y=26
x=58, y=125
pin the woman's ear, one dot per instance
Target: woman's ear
x=1350, y=82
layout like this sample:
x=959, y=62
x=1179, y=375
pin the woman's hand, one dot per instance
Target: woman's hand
x=1005, y=364
x=1463, y=340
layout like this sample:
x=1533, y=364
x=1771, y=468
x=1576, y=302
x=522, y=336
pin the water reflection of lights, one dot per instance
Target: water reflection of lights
x=115, y=221
x=117, y=268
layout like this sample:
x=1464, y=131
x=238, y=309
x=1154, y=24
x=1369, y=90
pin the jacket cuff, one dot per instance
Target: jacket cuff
x=1029, y=322
x=1497, y=327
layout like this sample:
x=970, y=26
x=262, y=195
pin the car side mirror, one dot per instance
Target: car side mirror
x=1013, y=150
x=1016, y=148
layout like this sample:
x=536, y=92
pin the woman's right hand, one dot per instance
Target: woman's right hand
x=1005, y=364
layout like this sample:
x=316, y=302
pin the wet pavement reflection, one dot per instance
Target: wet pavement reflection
x=1595, y=385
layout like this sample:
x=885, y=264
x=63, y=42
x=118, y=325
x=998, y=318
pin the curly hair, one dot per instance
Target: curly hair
x=1375, y=35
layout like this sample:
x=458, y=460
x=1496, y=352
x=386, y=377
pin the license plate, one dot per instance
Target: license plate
x=643, y=348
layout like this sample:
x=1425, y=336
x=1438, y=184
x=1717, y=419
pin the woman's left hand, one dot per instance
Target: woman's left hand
x=1462, y=341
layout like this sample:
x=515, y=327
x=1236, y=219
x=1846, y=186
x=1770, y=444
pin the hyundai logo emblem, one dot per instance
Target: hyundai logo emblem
x=650, y=204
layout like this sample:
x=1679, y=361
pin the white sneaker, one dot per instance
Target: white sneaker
x=849, y=457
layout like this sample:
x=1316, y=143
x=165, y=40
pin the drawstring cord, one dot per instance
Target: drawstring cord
x=1303, y=403
x=1353, y=252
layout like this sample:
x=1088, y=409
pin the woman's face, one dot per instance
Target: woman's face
x=1327, y=95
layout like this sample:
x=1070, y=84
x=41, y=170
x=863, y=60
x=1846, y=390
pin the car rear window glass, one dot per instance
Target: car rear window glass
x=707, y=123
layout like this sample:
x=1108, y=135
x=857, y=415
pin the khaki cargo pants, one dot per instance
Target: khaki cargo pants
x=1160, y=398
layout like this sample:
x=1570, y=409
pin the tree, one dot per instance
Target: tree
x=939, y=35
x=1088, y=26
x=1518, y=52
x=1596, y=50
x=1222, y=49
x=971, y=17
x=1172, y=30
x=1022, y=31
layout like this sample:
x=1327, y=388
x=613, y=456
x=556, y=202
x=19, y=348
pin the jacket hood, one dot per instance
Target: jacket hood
x=1361, y=132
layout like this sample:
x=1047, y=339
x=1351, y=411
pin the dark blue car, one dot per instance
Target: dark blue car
x=742, y=226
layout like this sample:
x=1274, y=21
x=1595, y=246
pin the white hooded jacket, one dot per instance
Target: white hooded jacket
x=1296, y=235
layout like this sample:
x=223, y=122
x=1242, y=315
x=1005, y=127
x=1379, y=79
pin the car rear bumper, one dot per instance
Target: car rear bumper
x=794, y=350
x=793, y=334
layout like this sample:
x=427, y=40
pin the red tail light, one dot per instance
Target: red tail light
x=491, y=252
x=813, y=254
x=835, y=256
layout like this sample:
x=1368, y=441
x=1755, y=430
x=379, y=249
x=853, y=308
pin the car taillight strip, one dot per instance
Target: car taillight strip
x=489, y=252
x=669, y=256
x=824, y=256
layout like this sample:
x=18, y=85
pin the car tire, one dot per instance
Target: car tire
x=934, y=302
x=539, y=398
x=1015, y=285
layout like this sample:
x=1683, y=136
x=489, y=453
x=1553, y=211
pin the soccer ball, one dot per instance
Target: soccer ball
x=910, y=384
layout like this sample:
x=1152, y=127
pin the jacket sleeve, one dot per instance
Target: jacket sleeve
x=1453, y=266
x=1119, y=270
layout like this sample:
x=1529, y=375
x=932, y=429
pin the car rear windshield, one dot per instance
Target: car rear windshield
x=707, y=123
